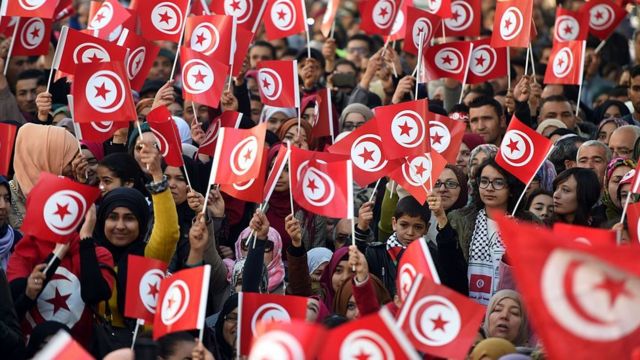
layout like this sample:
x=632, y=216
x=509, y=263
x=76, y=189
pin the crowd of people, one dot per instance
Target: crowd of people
x=148, y=209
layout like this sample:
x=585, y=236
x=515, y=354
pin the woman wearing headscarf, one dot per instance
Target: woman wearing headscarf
x=9, y=237
x=616, y=170
x=272, y=256
x=477, y=156
x=92, y=152
x=289, y=132
x=184, y=130
x=225, y=330
x=38, y=149
x=276, y=116
x=506, y=318
x=353, y=116
x=317, y=260
x=543, y=179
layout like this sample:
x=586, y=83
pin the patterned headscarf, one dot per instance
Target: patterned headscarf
x=489, y=149
x=276, y=266
x=546, y=174
x=613, y=210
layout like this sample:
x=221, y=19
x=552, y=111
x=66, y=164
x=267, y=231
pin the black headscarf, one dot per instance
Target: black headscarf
x=40, y=333
x=224, y=349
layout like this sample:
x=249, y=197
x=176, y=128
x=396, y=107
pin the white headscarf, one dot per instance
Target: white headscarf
x=316, y=257
x=269, y=111
x=183, y=129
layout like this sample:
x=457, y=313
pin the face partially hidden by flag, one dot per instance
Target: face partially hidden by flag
x=56, y=207
x=165, y=130
x=378, y=16
x=586, y=296
x=512, y=24
x=144, y=276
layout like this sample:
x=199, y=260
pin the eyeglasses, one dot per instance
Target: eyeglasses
x=231, y=317
x=448, y=184
x=349, y=126
x=497, y=184
x=268, y=246
x=343, y=238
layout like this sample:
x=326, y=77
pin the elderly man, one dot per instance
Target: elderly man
x=594, y=155
x=623, y=140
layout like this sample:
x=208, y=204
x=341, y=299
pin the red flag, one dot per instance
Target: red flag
x=7, y=140
x=203, y=78
x=162, y=19
x=102, y=93
x=250, y=190
x=403, y=128
x=238, y=154
x=29, y=8
x=108, y=17
x=486, y=62
x=32, y=37
x=247, y=12
x=374, y=336
x=56, y=206
x=438, y=320
x=512, y=23
x=75, y=47
x=255, y=309
x=570, y=25
x=400, y=23
x=166, y=132
x=144, y=276
x=322, y=183
x=415, y=260
x=130, y=25
x=465, y=18
x=441, y=8
x=61, y=347
x=322, y=121
x=415, y=173
x=278, y=83
x=243, y=40
x=142, y=54
x=522, y=150
x=420, y=24
x=329, y=17
x=633, y=221
x=448, y=60
x=230, y=119
x=182, y=301
x=565, y=63
x=279, y=163
x=287, y=341
x=199, y=7
x=584, y=235
x=211, y=35
x=284, y=18
x=365, y=147
x=446, y=136
x=96, y=131
x=604, y=17
x=7, y=24
x=377, y=16
x=586, y=296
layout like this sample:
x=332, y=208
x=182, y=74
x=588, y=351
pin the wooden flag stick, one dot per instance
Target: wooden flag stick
x=508, y=68
x=135, y=332
x=524, y=191
x=526, y=62
x=584, y=43
x=175, y=60
x=418, y=65
x=13, y=39
x=333, y=29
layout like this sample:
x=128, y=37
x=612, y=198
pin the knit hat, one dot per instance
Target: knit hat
x=355, y=108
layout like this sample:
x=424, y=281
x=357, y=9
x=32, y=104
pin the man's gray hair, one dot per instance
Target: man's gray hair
x=589, y=143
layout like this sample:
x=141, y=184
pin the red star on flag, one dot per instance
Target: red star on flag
x=94, y=58
x=507, y=24
x=102, y=91
x=480, y=60
x=59, y=301
x=165, y=17
x=199, y=77
x=437, y=138
x=154, y=289
x=405, y=129
x=62, y=211
x=200, y=38
x=99, y=17
x=366, y=155
x=447, y=59
x=560, y=62
x=171, y=301
x=362, y=355
x=599, y=15
x=513, y=146
x=383, y=12
x=456, y=15
x=35, y=33
x=266, y=84
x=420, y=169
x=247, y=155
x=312, y=185
x=439, y=323
x=235, y=5
x=281, y=14
x=568, y=29
x=615, y=288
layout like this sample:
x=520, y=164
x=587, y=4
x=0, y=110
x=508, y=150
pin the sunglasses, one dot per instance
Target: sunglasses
x=268, y=246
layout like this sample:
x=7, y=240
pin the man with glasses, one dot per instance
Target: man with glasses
x=358, y=50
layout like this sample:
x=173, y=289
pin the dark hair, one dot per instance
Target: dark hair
x=484, y=89
x=515, y=186
x=333, y=321
x=459, y=108
x=408, y=206
x=562, y=132
x=635, y=71
x=565, y=149
x=600, y=110
x=485, y=100
x=167, y=344
x=125, y=167
x=364, y=38
x=534, y=193
x=463, y=197
x=268, y=45
x=554, y=98
x=31, y=74
x=346, y=62
x=587, y=192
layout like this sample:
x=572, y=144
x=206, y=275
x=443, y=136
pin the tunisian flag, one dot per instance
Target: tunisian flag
x=571, y=25
x=446, y=136
x=329, y=17
x=29, y=8
x=255, y=309
x=486, y=62
x=586, y=296
x=373, y=336
x=56, y=206
x=238, y=154
x=420, y=25
x=166, y=132
x=230, y=119
x=97, y=131
x=604, y=17
x=322, y=121
x=144, y=276
x=438, y=320
x=142, y=54
x=284, y=18
x=403, y=128
x=250, y=190
x=584, y=235
x=295, y=340
x=566, y=63
x=415, y=260
x=108, y=17
x=465, y=18
x=417, y=173
x=62, y=346
x=279, y=163
x=32, y=37
x=7, y=140
x=322, y=183
x=512, y=24
x=522, y=150
x=162, y=19
x=182, y=302
x=247, y=12
x=633, y=221
x=203, y=77
x=278, y=83
x=212, y=35
x=448, y=60
x=377, y=16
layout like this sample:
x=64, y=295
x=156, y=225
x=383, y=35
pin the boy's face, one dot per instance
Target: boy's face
x=409, y=228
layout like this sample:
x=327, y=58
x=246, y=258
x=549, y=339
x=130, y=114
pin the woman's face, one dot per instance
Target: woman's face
x=93, y=165
x=274, y=122
x=448, y=188
x=308, y=115
x=565, y=198
x=624, y=191
x=462, y=161
x=353, y=121
x=292, y=134
x=181, y=350
x=542, y=206
x=121, y=227
x=317, y=273
x=108, y=180
x=352, y=309
x=147, y=137
x=177, y=184
x=268, y=250
x=283, y=181
x=505, y=320
x=612, y=186
x=494, y=192
x=230, y=327
x=313, y=309
x=613, y=111
x=605, y=133
x=340, y=275
x=478, y=158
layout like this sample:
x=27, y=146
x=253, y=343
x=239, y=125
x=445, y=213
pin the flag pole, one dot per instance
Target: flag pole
x=524, y=191
x=290, y=189
x=466, y=74
x=508, y=68
x=135, y=332
x=306, y=28
x=526, y=62
x=299, y=120
x=600, y=46
x=584, y=43
x=533, y=63
x=626, y=205
x=418, y=64
x=195, y=114
x=375, y=189
x=333, y=29
x=444, y=36
x=13, y=39
x=55, y=55
x=175, y=61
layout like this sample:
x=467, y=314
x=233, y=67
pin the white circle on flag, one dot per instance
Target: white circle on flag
x=566, y=28
x=150, y=288
x=244, y=155
x=31, y=4
x=240, y=9
x=163, y=143
x=450, y=59
x=417, y=171
x=407, y=129
x=276, y=345
x=462, y=16
x=32, y=33
x=483, y=60
x=102, y=126
x=269, y=312
x=434, y=320
x=516, y=148
x=398, y=22
x=90, y=53
x=175, y=302
x=406, y=276
x=365, y=344
x=105, y=91
x=440, y=136
x=270, y=83
x=135, y=61
x=421, y=28
x=167, y=18
x=318, y=187
x=563, y=62
x=366, y=153
x=601, y=17
x=64, y=211
x=102, y=17
x=205, y=38
x=433, y=6
x=511, y=23
x=283, y=15
x=383, y=12
x=197, y=76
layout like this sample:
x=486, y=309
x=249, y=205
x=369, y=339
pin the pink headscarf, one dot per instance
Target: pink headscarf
x=276, y=266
